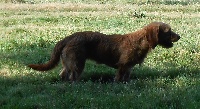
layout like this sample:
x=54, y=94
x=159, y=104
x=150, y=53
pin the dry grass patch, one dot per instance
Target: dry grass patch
x=66, y=6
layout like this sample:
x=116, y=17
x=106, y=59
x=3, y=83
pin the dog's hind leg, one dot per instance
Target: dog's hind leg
x=73, y=65
x=64, y=74
x=76, y=69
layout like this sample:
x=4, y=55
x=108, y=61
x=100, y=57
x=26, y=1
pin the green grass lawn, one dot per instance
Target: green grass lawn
x=168, y=78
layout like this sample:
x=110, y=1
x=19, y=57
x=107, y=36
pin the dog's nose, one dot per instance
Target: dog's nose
x=178, y=37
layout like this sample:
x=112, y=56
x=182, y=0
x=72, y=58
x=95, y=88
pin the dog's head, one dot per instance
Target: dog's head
x=159, y=33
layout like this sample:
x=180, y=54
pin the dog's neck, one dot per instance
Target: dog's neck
x=151, y=36
x=143, y=36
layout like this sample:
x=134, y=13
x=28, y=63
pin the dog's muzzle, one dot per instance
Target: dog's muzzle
x=175, y=38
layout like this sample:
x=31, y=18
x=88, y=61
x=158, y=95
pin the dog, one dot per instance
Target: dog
x=121, y=52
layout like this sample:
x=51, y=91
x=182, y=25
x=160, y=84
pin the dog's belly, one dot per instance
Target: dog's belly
x=113, y=65
x=108, y=60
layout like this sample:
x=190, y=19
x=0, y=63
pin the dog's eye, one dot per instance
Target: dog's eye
x=168, y=31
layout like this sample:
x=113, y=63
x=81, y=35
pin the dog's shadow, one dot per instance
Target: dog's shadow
x=97, y=75
x=139, y=73
x=99, y=78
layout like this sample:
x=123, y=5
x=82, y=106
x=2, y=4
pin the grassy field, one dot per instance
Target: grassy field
x=169, y=78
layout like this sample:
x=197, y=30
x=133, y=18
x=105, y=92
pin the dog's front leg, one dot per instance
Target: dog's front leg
x=127, y=75
x=123, y=74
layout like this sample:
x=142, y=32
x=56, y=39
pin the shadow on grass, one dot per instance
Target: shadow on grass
x=141, y=73
x=23, y=55
x=99, y=77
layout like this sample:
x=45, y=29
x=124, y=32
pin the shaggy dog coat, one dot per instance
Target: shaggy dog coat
x=121, y=52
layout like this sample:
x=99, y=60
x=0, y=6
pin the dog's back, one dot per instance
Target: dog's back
x=98, y=47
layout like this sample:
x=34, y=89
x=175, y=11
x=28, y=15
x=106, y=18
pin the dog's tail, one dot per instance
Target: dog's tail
x=55, y=58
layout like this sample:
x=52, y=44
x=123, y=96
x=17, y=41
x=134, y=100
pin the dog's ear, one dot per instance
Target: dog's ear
x=164, y=27
x=152, y=34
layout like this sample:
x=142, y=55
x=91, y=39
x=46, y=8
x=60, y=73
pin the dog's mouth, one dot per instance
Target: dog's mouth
x=175, y=38
x=167, y=45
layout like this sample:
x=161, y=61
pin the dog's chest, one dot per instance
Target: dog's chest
x=139, y=52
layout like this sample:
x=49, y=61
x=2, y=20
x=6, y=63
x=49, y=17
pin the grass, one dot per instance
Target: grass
x=169, y=78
